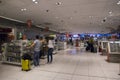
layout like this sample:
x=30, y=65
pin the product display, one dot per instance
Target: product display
x=114, y=47
x=62, y=45
x=113, y=51
x=104, y=46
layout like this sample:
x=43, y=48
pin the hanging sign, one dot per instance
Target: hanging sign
x=114, y=36
x=67, y=34
x=46, y=29
x=29, y=23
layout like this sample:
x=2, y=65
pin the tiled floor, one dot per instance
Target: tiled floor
x=67, y=65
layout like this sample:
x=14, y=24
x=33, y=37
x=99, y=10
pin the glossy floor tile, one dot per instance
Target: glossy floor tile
x=69, y=64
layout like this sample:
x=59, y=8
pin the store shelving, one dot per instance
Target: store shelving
x=14, y=51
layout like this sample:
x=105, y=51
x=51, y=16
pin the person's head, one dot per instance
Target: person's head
x=37, y=37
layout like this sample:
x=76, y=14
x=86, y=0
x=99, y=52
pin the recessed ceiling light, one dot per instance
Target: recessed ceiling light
x=58, y=3
x=110, y=12
x=33, y=0
x=118, y=3
x=90, y=16
x=24, y=9
x=105, y=18
x=36, y=2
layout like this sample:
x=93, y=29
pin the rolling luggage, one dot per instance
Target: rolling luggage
x=26, y=66
x=26, y=62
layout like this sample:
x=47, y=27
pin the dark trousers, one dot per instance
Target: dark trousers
x=36, y=59
x=50, y=55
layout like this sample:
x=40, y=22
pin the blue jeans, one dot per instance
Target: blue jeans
x=36, y=59
x=50, y=55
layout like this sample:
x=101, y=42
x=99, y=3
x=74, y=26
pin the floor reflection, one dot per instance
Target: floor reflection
x=76, y=50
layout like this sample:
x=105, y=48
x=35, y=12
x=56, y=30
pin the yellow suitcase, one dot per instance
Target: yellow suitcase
x=26, y=66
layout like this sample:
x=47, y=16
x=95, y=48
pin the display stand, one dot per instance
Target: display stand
x=104, y=46
x=62, y=45
x=113, y=51
x=82, y=47
x=14, y=51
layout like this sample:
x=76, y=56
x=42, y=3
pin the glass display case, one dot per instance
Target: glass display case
x=104, y=46
x=114, y=47
x=113, y=51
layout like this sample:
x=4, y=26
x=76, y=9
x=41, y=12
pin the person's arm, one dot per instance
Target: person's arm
x=32, y=45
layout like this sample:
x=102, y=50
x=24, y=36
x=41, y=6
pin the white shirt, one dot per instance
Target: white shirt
x=50, y=44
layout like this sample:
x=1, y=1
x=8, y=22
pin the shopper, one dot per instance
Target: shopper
x=50, y=50
x=36, y=45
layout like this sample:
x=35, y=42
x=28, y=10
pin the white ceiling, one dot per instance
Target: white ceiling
x=76, y=16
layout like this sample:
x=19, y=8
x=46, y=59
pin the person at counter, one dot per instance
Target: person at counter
x=36, y=45
x=50, y=50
